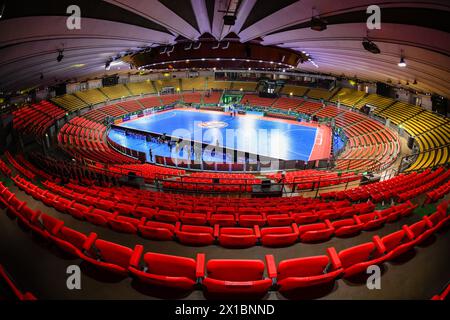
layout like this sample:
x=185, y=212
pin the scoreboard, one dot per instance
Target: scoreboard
x=269, y=88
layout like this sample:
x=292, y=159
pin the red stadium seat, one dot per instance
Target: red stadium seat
x=250, y=220
x=125, y=224
x=309, y=271
x=157, y=230
x=236, y=278
x=194, y=235
x=305, y=217
x=237, y=237
x=372, y=220
x=108, y=256
x=347, y=227
x=162, y=270
x=279, y=236
x=316, y=232
x=398, y=242
x=194, y=218
x=355, y=260
x=166, y=216
x=226, y=220
x=70, y=241
x=78, y=210
x=145, y=212
x=279, y=219
x=98, y=217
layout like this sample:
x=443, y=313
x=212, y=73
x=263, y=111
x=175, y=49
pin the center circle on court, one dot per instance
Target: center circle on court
x=213, y=124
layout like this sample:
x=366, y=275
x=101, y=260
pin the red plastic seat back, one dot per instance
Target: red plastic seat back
x=114, y=253
x=276, y=230
x=197, y=229
x=357, y=254
x=236, y=231
x=302, y=267
x=76, y=238
x=172, y=266
x=235, y=270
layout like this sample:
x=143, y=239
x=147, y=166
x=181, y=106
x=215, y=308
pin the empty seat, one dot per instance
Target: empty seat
x=98, y=217
x=279, y=219
x=70, y=241
x=108, y=256
x=194, y=218
x=236, y=278
x=162, y=270
x=355, y=260
x=194, y=235
x=309, y=271
x=125, y=224
x=372, y=220
x=316, y=232
x=237, y=237
x=305, y=217
x=279, y=236
x=157, y=230
x=398, y=242
x=166, y=216
x=347, y=227
x=250, y=220
x=227, y=220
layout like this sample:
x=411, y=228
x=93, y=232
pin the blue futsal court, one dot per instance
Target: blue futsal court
x=275, y=138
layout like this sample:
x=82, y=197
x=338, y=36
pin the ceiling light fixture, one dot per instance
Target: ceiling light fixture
x=402, y=62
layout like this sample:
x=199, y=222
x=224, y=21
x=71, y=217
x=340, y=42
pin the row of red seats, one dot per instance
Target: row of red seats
x=131, y=106
x=204, y=181
x=412, y=193
x=254, y=100
x=385, y=190
x=148, y=171
x=191, y=203
x=38, y=172
x=192, y=97
x=287, y=103
x=4, y=168
x=224, y=277
x=11, y=286
x=212, y=98
x=307, y=179
x=87, y=139
x=37, y=118
x=438, y=193
x=309, y=107
x=27, y=173
x=282, y=230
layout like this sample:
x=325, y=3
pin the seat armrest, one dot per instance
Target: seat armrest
x=216, y=231
x=136, y=256
x=295, y=228
x=271, y=266
x=428, y=222
x=357, y=220
x=257, y=231
x=328, y=224
x=334, y=258
x=200, y=267
x=408, y=232
x=57, y=227
x=379, y=244
x=177, y=226
x=89, y=241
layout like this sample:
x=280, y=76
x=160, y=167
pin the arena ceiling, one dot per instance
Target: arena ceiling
x=31, y=33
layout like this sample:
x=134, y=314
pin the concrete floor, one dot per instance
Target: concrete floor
x=41, y=269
